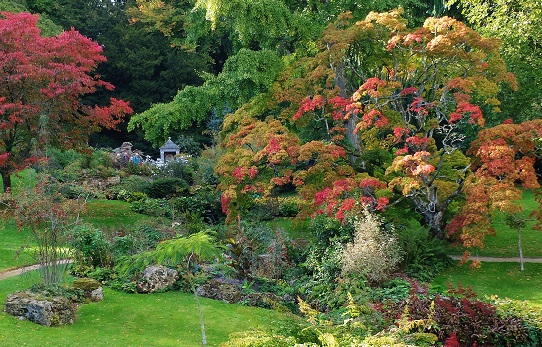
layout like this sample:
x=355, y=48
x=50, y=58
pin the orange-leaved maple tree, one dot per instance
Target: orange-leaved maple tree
x=504, y=166
x=430, y=88
x=398, y=136
x=42, y=81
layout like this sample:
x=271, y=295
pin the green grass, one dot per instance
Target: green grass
x=112, y=213
x=295, y=229
x=100, y=213
x=11, y=241
x=502, y=279
x=163, y=319
x=505, y=241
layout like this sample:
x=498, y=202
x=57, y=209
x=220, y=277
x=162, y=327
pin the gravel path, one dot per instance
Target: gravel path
x=18, y=271
x=499, y=260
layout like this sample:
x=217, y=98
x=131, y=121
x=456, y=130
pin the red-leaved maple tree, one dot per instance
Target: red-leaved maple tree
x=41, y=82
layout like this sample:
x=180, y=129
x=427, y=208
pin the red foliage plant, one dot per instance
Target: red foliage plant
x=43, y=79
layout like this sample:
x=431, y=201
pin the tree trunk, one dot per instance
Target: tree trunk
x=432, y=212
x=520, y=250
x=6, y=180
x=435, y=221
x=342, y=83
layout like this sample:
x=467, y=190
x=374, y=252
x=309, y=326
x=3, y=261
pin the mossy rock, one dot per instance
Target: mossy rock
x=86, y=284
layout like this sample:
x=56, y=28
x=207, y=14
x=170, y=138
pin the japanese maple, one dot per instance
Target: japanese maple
x=43, y=79
x=504, y=159
x=429, y=87
x=419, y=91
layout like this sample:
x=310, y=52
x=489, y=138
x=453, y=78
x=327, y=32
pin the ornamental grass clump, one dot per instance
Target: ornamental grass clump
x=375, y=251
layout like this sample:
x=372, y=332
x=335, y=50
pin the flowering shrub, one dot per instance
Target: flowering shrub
x=375, y=252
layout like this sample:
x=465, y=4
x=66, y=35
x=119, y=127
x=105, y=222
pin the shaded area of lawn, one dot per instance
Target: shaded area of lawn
x=502, y=279
x=163, y=319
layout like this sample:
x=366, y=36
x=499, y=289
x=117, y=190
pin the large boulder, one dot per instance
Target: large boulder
x=44, y=311
x=221, y=289
x=92, y=289
x=156, y=278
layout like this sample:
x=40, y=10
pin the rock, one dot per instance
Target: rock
x=265, y=300
x=111, y=181
x=218, y=289
x=156, y=278
x=48, y=312
x=91, y=288
x=96, y=295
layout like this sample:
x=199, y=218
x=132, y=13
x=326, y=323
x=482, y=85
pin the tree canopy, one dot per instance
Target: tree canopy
x=43, y=79
x=398, y=136
x=516, y=23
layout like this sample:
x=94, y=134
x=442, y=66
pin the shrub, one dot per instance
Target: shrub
x=59, y=159
x=530, y=315
x=128, y=185
x=424, y=256
x=324, y=268
x=202, y=200
x=328, y=230
x=289, y=207
x=205, y=166
x=375, y=252
x=152, y=207
x=258, y=339
x=166, y=187
x=179, y=168
x=91, y=246
x=141, y=169
x=462, y=319
x=273, y=259
x=130, y=196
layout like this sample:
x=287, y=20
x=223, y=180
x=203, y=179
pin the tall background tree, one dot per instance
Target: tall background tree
x=289, y=29
x=43, y=79
x=516, y=23
x=141, y=61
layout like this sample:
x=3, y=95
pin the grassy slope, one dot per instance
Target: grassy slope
x=101, y=213
x=501, y=279
x=11, y=241
x=505, y=241
x=504, y=279
x=111, y=213
x=164, y=319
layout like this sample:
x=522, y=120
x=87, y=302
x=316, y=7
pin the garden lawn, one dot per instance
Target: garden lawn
x=11, y=241
x=100, y=213
x=112, y=213
x=163, y=319
x=502, y=279
x=505, y=241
